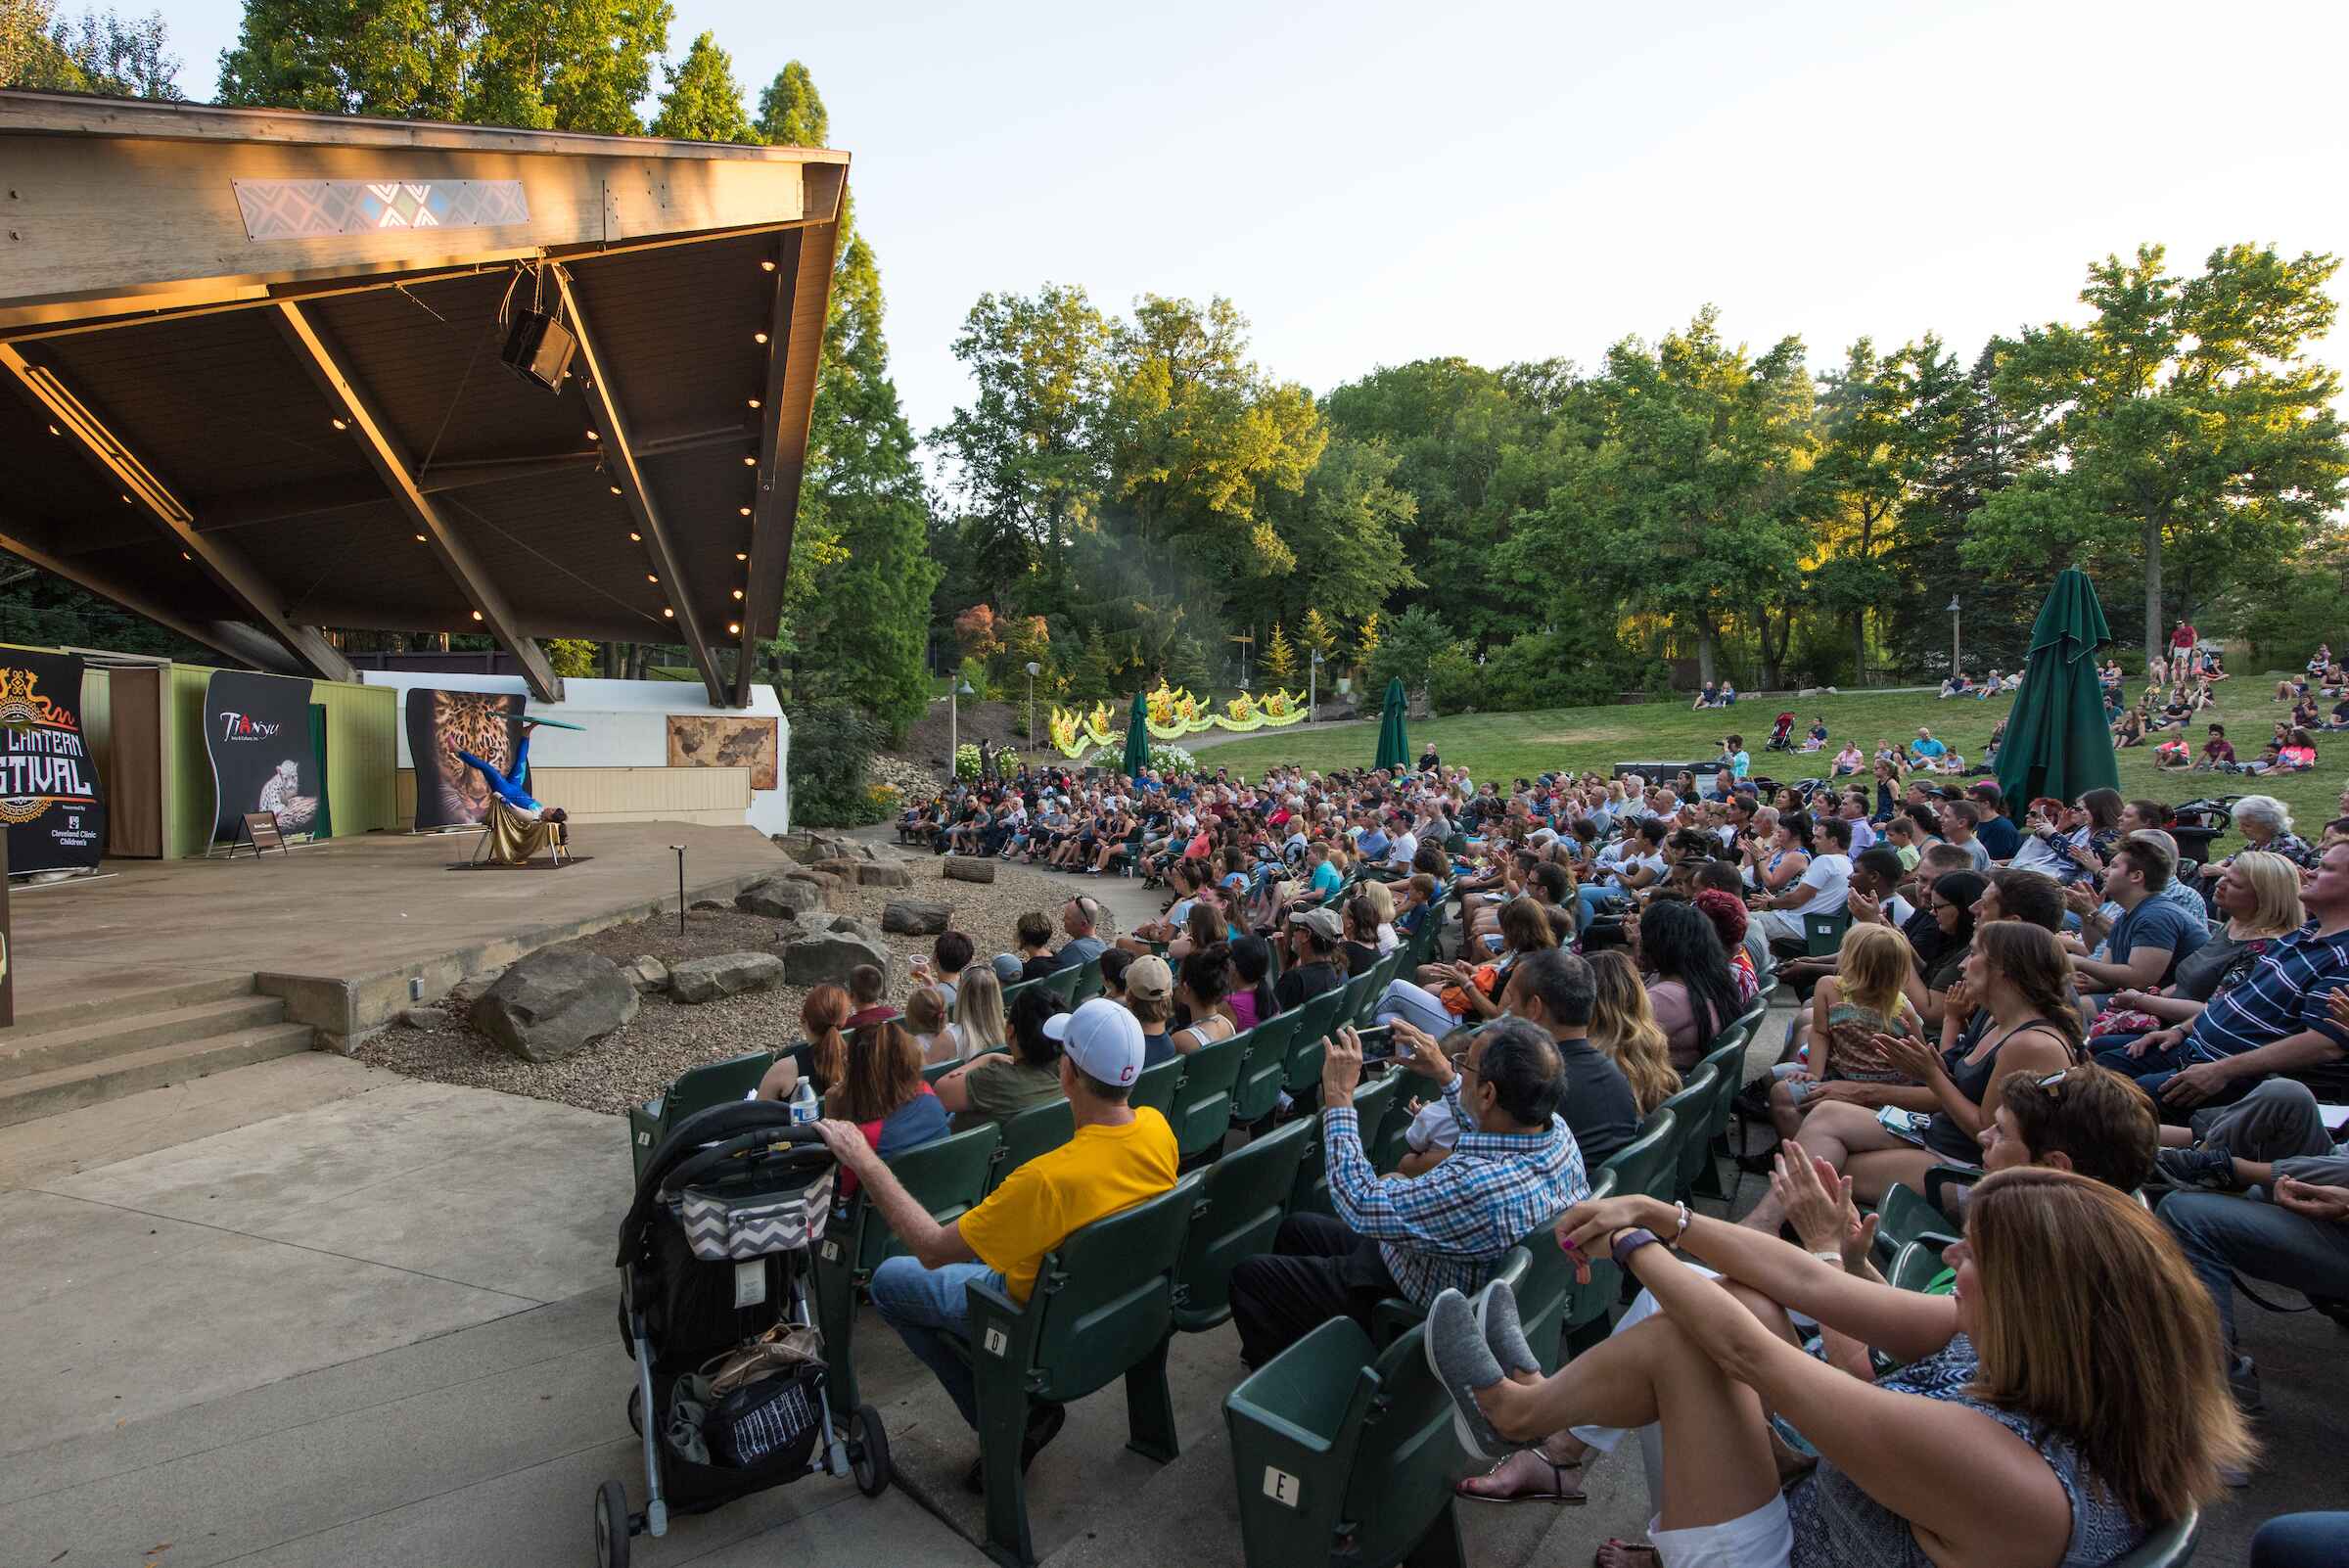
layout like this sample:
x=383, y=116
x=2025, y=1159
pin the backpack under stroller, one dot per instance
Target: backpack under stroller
x=715, y=1259
x=1781, y=735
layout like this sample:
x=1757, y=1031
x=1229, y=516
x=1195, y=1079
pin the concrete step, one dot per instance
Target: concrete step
x=128, y=996
x=21, y=1056
x=64, y=1088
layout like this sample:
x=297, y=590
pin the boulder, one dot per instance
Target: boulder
x=843, y=867
x=823, y=882
x=818, y=959
x=647, y=974
x=883, y=874
x=969, y=868
x=710, y=903
x=850, y=926
x=780, y=898
x=549, y=1004
x=916, y=917
x=725, y=973
x=426, y=1018
x=810, y=848
x=472, y=989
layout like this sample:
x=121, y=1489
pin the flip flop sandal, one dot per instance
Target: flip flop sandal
x=1638, y=1551
x=1562, y=1496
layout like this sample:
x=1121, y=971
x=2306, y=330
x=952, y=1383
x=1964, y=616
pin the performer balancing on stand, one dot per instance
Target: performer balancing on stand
x=510, y=789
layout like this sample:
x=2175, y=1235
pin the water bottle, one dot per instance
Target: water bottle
x=803, y=1104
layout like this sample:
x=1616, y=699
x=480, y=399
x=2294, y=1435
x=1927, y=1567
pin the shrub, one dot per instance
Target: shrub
x=1455, y=683
x=966, y=761
x=832, y=747
x=1577, y=666
x=1164, y=758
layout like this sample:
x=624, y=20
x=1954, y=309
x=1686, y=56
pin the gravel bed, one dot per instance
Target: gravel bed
x=634, y=1063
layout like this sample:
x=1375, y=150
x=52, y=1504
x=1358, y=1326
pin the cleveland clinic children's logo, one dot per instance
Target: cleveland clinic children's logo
x=246, y=728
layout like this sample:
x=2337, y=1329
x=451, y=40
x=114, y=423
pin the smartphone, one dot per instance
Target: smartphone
x=1378, y=1042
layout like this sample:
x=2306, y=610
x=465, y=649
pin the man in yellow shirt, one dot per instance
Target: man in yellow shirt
x=1119, y=1157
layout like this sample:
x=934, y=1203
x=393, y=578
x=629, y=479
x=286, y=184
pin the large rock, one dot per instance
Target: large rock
x=815, y=960
x=916, y=917
x=823, y=882
x=969, y=868
x=843, y=867
x=726, y=974
x=780, y=898
x=549, y=1004
x=647, y=974
x=848, y=926
x=883, y=874
x=426, y=1018
x=472, y=989
x=810, y=848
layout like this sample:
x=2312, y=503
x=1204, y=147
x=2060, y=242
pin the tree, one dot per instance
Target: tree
x=1365, y=642
x=1317, y=634
x=1863, y=473
x=1345, y=532
x=1280, y=657
x=1409, y=649
x=859, y=606
x=1025, y=454
x=24, y=30
x=542, y=64
x=2184, y=424
x=704, y=101
x=571, y=656
x=108, y=54
x=1199, y=436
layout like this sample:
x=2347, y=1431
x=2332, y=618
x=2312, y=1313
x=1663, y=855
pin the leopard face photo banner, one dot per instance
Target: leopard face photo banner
x=443, y=727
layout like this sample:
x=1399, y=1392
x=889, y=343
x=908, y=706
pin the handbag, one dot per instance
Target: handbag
x=769, y=1422
x=722, y=1225
x=779, y=1350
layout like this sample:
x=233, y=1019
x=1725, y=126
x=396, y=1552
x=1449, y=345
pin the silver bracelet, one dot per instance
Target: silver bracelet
x=1686, y=1217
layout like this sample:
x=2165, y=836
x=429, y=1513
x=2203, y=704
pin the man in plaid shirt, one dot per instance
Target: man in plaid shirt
x=1514, y=1168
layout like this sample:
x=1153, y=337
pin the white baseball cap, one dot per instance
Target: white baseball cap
x=1102, y=1038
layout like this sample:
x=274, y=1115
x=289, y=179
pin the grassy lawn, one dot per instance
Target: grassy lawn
x=1508, y=745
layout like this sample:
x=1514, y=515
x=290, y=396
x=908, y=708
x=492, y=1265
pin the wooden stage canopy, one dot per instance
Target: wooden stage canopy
x=257, y=386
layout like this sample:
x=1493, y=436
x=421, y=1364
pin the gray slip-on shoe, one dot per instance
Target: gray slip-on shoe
x=1504, y=1335
x=1458, y=1354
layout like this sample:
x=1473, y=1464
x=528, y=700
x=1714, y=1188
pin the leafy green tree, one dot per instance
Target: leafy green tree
x=541, y=65
x=2184, y=424
x=1317, y=634
x=1409, y=648
x=1200, y=435
x=1346, y=533
x=99, y=52
x=860, y=607
x=1864, y=466
x=1365, y=642
x=1025, y=454
x=704, y=101
x=571, y=656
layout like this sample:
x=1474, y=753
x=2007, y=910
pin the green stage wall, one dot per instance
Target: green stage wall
x=360, y=759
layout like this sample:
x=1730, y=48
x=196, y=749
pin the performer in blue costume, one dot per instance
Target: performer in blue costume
x=510, y=789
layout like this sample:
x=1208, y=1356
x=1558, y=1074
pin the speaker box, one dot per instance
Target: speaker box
x=539, y=348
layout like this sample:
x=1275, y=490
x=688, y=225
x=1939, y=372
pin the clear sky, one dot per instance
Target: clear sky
x=1378, y=182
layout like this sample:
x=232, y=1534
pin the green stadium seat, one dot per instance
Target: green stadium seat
x=1917, y=1262
x=1727, y=1061
x=1902, y=1218
x=1257, y=1090
x=1650, y=1163
x=1823, y=934
x=1243, y=1200
x=1157, y=1087
x=1103, y=1309
x=1372, y=1103
x=1691, y=1109
x=1062, y=983
x=1315, y=1019
x=697, y=1089
x=1203, y=1103
x=1037, y=1130
x=1584, y=1308
x=947, y=1176
x=1344, y=1454
x=1089, y=983
x=2170, y=1547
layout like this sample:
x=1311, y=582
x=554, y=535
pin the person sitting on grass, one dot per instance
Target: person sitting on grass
x=2090, y=1431
x=2132, y=728
x=1925, y=751
x=1119, y=1157
x=1849, y=762
x=2217, y=752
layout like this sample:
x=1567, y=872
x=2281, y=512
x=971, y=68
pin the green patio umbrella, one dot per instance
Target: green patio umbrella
x=1394, y=746
x=1137, y=738
x=2056, y=742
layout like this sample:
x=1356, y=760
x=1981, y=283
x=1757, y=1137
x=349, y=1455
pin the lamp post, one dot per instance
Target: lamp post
x=954, y=693
x=1034, y=670
x=1312, y=687
x=1952, y=608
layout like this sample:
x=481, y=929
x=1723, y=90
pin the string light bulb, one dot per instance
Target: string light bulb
x=341, y=424
x=593, y=436
x=476, y=614
x=733, y=629
x=766, y=267
x=757, y=337
x=737, y=593
x=667, y=614
x=635, y=538
x=419, y=540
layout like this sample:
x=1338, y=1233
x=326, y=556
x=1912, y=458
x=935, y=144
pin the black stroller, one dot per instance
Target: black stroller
x=715, y=1308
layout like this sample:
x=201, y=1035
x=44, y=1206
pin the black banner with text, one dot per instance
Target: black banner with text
x=49, y=792
x=256, y=729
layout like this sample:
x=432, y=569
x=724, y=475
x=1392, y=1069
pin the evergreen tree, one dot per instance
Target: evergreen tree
x=1317, y=634
x=860, y=602
x=1970, y=451
x=1280, y=657
x=704, y=101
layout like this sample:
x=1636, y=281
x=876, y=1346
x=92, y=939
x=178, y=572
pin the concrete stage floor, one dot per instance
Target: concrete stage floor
x=340, y=928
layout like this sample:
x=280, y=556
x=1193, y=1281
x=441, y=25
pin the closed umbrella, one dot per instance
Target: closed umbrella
x=1137, y=738
x=1394, y=746
x=2057, y=741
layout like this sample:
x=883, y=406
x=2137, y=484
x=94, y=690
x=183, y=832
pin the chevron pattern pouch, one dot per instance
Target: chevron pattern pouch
x=722, y=1225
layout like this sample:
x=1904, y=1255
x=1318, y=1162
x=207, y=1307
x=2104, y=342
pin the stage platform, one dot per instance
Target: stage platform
x=338, y=929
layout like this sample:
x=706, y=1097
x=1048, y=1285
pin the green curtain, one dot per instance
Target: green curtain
x=2056, y=742
x=1393, y=745
x=322, y=826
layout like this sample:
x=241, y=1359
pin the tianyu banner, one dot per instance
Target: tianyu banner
x=48, y=780
x=257, y=730
x=442, y=727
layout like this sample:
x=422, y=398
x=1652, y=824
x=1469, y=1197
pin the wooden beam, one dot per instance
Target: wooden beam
x=603, y=399
x=142, y=489
x=803, y=294
x=391, y=464
x=242, y=643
